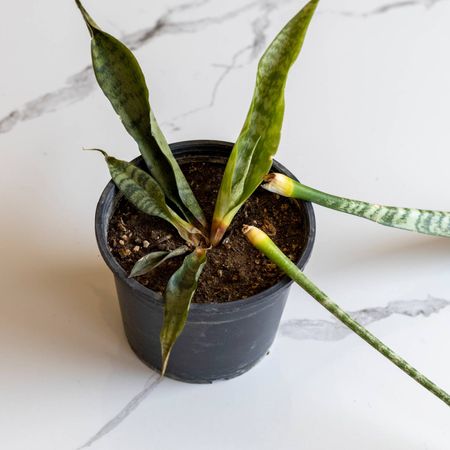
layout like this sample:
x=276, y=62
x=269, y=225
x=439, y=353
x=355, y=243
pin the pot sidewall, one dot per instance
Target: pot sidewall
x=220, y=340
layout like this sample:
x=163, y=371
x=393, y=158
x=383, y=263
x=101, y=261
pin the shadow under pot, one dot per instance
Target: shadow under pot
x=220, y=340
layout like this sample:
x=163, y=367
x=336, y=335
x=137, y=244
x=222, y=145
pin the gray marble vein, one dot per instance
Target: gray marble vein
x=77, y=87
x=299, y=329
x=326, y=330
x=80, y=85
x=242, y=57
x=388, y=7
x=149, y=386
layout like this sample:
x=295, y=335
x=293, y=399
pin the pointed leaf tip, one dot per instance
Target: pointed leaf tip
x=142, y=190
x=121, y=79
x=96, y=150
x=252, y=154
x=151, y=261
x=90, y=23
x=178, y=296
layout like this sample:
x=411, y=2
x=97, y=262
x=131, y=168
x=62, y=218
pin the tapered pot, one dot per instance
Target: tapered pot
x=220, y=340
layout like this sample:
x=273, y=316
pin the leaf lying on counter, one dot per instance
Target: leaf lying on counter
x=426, y=221
x=267, y=247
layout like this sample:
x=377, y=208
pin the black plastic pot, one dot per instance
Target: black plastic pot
x=220, y=341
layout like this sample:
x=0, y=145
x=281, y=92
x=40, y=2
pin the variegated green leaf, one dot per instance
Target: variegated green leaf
x=151, y=261
x=142, y=190
x=258, y=141
x=436, y=223
x=122, y=81
x=265, y=245
x=177, y=297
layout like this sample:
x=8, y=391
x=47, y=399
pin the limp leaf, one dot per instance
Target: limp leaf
x=151, y=261
x=122, y=81
x=266, y=246
x=178, y=296
x=435, y=223
x=252, y=155
x=142, y=190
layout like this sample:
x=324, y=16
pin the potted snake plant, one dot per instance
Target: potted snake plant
x=193, y=218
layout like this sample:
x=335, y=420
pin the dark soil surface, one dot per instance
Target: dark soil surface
x=234, y=269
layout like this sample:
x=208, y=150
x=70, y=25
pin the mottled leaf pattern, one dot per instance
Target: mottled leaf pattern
x=142, y=190
x=258, y=141
x=151, y=261
x=177, y=297
x=122, y=81
x=265, y=245
x=436, y=223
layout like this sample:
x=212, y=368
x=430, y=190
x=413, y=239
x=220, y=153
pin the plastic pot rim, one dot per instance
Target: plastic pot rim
x=183, y=148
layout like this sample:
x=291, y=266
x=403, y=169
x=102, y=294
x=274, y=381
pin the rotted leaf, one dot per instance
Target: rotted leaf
x=142, y=190
x=122, y=81
x=151, y=261
x=436, y=223
x=252, y=154
x=178, y=296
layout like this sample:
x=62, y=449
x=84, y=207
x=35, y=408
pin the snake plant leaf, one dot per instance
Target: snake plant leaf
x=122, y=81
x=252, y=154
x=151, y=261
x=177, y=297
x=142, y=190
x=435, y=223
x=266, y=246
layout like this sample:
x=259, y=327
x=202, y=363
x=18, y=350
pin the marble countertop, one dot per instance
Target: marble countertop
x=367, y=116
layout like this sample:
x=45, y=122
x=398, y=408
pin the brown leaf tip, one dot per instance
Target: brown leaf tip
x=269, y=177
x=246, y=228
x=200, y=252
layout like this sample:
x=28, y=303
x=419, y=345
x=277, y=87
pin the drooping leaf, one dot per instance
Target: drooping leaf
x=266, y=246
x=177, y=297
x=252, y=155
x=436, y=223
x=142, y=190
x=122, y=81
x=151, y=261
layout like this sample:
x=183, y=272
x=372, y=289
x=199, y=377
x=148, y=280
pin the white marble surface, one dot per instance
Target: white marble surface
x=367, y=116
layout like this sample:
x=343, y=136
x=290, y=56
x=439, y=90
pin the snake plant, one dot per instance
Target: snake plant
x=162, y=189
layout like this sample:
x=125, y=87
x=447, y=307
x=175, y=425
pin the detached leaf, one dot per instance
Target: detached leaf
x=435, y=223
x=122, y=81
x=151, y=261
x=266, y=246
x=142, y=190
x=178, y=296
x=253, y=152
